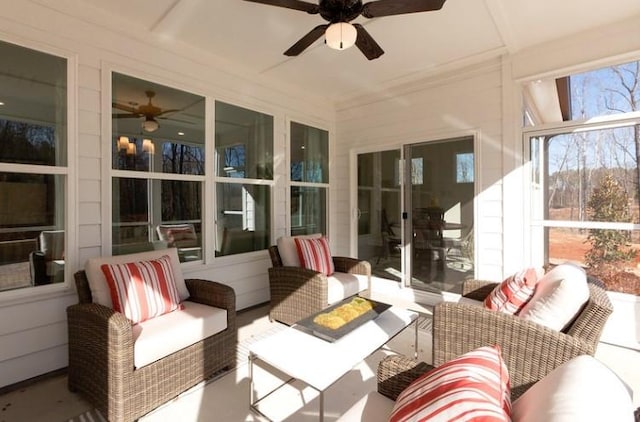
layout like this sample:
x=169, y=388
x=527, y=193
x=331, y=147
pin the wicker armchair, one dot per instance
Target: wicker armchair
x=101, y=365
x=298, y=292
x=530, y=350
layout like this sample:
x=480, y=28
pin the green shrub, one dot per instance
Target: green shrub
x=609, y=202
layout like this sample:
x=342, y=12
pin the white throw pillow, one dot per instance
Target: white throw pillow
x=582, y=389
x=100, y=292
x=288, y=251
x=559, y=296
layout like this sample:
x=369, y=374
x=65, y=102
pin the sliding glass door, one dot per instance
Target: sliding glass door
x=379, y=212
x=420, y=234
x=439, y=205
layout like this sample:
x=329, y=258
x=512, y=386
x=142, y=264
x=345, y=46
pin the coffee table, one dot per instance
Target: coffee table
x=319, y=363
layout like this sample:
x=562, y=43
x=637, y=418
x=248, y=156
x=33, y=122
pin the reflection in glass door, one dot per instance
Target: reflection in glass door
x=379, y=205
x=439, y=203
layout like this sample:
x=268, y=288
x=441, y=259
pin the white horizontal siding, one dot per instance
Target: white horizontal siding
x=32, y=337
x=31, y=365
x=33, y=333
x=469, y=101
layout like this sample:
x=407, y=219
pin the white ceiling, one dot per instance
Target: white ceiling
x=254, y=36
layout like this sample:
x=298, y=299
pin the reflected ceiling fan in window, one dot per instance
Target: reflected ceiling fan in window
x=339, y=33
x=149, y=111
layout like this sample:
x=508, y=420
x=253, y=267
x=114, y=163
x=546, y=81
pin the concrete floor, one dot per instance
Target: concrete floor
x=227, y=398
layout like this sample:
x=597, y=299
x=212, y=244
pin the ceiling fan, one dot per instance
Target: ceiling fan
x=149, y=111
x=340, y=34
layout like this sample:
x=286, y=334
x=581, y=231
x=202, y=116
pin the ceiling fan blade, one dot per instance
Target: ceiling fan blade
x=291, y=4
x=124, y=107
x=125, y=116
x=173, y=110
x=367, y=44
x=376, y=9
x=306, y=41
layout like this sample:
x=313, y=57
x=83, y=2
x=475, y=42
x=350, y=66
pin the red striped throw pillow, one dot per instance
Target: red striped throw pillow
x=315, y=255
x=474, y=386
x=514, y=292
x=142, y=290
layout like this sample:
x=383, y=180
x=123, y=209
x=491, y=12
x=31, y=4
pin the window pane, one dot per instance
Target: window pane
x=417, y=171
x=606, y=91
x=131, y=220
x=390, y=169
x=464, y=167
x=308, y=210
x=309, y=154
x=244, y=143
x=31, y=229
x=156, y=128
x=141, y=205
x=611, y=255
x=365, y=170
x=578, y=167
x=244, y=218
x=33, y=127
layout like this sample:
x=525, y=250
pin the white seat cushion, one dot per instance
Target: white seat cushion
x=373, y=407
x=342, y=285
x=582, y=389
x=161, y=336
x=98, y=283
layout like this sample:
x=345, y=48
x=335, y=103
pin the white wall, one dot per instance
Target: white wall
x=482, y=100
x=485, y=100
x=33, y=333
x=467, y=101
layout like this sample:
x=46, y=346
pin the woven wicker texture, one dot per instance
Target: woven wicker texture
x=101, y=355
x=298, y=292
x=530, y=350
x=396, y=372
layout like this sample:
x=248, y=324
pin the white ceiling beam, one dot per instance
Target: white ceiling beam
x=502, y=24
x=174, y=18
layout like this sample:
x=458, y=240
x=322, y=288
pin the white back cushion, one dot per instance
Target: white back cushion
x=582, y=389
x=559, y=296
x=161, y=336
x=98, y=283
x=287, y=249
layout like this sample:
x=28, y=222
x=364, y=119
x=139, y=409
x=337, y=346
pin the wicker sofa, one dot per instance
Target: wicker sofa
x=530, y=350
x=298, y=292
x=101, y=353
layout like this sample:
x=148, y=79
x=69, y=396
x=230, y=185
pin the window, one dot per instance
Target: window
x=158, y=162
x=464, y=167
x=244, y=179
x=309, y=176
x=33, y=167
x=585, y=175
x=417, y=171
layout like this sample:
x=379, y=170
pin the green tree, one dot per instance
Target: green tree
x=609, y=202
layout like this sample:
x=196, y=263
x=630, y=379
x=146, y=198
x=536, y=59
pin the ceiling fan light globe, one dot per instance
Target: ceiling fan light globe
x=341, y=35
x=150, y=125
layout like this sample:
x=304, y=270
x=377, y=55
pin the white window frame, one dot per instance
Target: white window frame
x=111, y=173
x=216, y=179
x=37, y=293
x=534, y=236
x=291, y=183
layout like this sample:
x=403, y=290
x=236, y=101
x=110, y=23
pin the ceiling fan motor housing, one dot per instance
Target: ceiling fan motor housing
x=343, y=12
x=336, y=11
